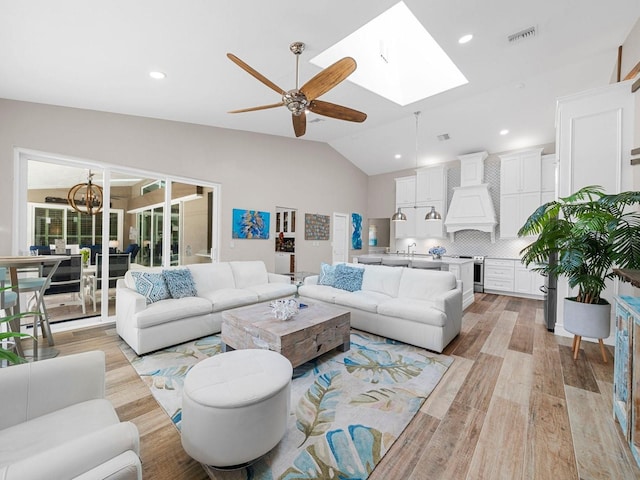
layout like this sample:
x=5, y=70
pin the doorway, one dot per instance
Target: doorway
x=340, y=244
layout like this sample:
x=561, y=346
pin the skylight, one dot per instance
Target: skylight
x=397, y=58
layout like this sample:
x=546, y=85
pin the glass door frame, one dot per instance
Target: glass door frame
x=20, y=217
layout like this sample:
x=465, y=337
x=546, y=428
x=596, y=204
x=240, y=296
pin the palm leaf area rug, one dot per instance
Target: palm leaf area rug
x=347, y=408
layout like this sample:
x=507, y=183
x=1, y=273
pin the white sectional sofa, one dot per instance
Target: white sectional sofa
x=56, y=423
x=415, y=306
x=220, y=286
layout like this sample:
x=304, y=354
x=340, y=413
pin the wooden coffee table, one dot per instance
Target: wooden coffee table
x=313, y=331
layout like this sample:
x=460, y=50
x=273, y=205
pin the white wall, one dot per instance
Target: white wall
x=256, y=171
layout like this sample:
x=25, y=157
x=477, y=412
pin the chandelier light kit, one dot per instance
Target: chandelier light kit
x=86, y=197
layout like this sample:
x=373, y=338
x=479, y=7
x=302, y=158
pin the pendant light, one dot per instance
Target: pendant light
x=86, y=197
x=399, y=216
x=432, y=214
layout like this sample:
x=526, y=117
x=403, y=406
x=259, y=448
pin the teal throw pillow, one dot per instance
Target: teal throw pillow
x=327, y=274
x=151, y=285
x=348, y=278
x=180, y=283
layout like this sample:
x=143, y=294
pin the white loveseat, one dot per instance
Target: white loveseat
x=220, y=286
x=415, y=306
x=56, y=423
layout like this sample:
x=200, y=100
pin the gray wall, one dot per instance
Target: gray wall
x=256, y=171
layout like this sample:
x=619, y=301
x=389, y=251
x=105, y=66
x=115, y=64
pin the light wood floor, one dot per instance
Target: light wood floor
x=514, y=405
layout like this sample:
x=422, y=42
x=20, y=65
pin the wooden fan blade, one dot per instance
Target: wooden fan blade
x=337, y=111
x=255, y=73
x=261, y=107
x=328, y=78
x=299, y=124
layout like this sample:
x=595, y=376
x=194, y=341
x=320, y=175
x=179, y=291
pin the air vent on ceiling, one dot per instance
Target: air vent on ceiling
x=525, y=34
x=444, y=137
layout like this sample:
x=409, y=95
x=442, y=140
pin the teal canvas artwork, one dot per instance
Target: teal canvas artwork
x=356, y=235
x=250, y=224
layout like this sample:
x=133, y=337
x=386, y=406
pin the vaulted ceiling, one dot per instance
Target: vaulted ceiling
x=97, y=55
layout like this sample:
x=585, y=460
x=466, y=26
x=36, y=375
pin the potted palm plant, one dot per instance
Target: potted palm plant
x=8, y=339
x=589, y=232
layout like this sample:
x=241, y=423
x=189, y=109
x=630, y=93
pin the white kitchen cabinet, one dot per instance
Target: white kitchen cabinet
x=464, y=273
x=520, y=189
x=514, y=211
x=548, y=181
x=595, y=131
x=405, y=191
x=595, y=138
x=432, y=185
x=511, y=277
x=548, y=166
x=498, y=274
x=527, y=282
x=407, y=229
x=286, y=221
x=416, y=226
x=546, y=197
x=429, y=228
x=285, y=262
x=520, y=172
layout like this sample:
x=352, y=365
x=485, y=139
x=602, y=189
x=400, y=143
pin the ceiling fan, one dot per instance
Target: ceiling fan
x=299, y=100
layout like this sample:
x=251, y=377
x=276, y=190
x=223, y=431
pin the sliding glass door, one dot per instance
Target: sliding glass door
x=164, y=220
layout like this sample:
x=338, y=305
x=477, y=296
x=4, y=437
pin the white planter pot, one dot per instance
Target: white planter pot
x=587, y=319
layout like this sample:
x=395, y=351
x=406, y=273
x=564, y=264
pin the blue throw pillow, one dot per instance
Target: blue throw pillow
x=327, y=274
x=151, y=285
x=348, y=278
x=180, y=283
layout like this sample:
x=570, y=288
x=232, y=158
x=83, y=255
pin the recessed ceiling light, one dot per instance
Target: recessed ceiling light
x=386, y=50
x=504, y=131
x=157, y=75
x=397, y=156
x=465, y=38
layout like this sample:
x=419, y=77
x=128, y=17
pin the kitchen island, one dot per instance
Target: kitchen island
x=462, y=268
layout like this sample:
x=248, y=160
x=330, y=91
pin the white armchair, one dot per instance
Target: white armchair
x=56, y=423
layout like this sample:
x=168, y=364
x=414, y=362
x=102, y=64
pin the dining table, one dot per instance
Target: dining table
x=17, y=263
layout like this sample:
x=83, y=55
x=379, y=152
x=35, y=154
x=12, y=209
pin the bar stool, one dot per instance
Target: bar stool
x=8, y=301
x=395, y=262
x=36, y=307
x=370, y=260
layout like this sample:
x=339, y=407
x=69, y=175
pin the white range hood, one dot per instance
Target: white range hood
x=471, y=206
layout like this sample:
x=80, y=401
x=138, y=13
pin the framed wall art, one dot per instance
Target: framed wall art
x=250, y=224
x=316, y=227
x=356, y=231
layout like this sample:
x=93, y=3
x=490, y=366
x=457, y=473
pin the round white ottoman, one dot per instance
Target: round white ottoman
x=235, y=406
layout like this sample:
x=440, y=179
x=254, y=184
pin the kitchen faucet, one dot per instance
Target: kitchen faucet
x=409, y=248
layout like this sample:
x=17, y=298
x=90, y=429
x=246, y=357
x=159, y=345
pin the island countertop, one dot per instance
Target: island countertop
x=419, y=258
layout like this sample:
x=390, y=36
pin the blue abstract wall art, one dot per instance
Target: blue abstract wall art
x=356, y=236
x=250, y=224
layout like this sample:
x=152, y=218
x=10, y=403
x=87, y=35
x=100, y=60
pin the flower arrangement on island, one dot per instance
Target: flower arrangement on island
x=437, y=251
